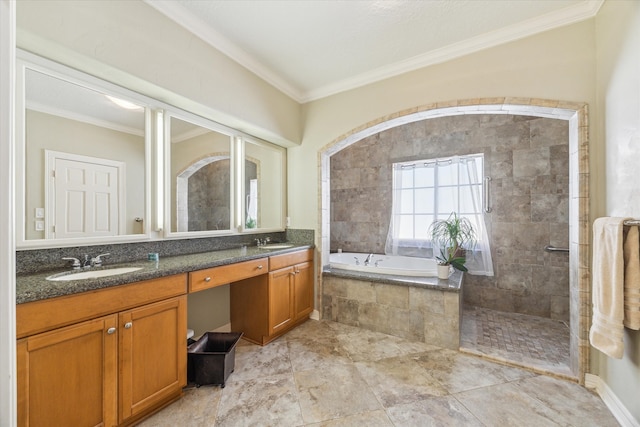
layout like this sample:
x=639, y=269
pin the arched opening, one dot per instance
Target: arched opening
x=198, y=190
x=575, y=116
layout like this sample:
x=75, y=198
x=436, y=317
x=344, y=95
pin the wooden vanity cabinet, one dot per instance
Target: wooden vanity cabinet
x=265, y=307
x=68, y=376
x=152, y=355
x=110, y=370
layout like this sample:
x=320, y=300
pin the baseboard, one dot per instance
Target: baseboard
x=619, y=411
x=315, y=315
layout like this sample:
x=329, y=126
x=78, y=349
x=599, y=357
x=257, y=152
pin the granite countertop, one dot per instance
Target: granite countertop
x=34, y=287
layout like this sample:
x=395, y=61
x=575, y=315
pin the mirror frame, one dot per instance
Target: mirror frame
x=27, y=61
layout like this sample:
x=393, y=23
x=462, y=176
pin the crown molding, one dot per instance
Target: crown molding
x=193, y=24
x=559, y=18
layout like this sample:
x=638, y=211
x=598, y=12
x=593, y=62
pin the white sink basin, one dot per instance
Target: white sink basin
x=276, y=246
x=92, y=274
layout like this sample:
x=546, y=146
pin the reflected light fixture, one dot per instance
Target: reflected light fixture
x=123, y=104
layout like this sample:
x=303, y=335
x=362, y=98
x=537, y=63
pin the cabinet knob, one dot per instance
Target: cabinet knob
x=207, y=279
x=111, y=331
x=128, y=325
x=260, y=267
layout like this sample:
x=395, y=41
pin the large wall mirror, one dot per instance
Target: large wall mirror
x=83, y=159
x=86, y=152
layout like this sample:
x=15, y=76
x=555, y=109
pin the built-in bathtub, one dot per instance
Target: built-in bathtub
x=384, y=264
x=404, y=298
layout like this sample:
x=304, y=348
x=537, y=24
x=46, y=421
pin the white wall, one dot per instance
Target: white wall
x=558, y=64
x=618, y=91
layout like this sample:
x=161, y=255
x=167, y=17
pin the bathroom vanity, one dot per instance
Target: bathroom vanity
x=115, y=354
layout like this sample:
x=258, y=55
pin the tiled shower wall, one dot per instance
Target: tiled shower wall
x=528, y=161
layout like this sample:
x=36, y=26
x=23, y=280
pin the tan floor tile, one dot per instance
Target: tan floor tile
x=399, y=380
x=437, y=411
x=334, y=392
x=367, y=419
x=328, y=374
x=514, y=409
x=265, y=401
x=458, y=372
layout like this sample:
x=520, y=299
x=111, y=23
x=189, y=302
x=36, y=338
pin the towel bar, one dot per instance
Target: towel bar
x=632, y=222
x=550, y=248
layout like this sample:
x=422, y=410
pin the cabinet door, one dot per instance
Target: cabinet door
x=303, y=292
x=280, y=299
x=153, y=355
x=67, y=377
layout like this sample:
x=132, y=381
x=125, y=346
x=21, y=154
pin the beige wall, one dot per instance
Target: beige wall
x=558, y=64
x=131, y=44
x=618, y=91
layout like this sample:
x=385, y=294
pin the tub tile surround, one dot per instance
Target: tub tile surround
x=575, y=114
x=428, y=312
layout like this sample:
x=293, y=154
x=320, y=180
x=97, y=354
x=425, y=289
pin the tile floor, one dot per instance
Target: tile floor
x=529, y=341
x=328, y=374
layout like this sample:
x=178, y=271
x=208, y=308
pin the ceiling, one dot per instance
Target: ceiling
x=310, y=49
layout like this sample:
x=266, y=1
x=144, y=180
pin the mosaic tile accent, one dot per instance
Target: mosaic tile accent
x=527, y=340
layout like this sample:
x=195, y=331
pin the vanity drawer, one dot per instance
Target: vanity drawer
x=285, y=260
x=216, y=276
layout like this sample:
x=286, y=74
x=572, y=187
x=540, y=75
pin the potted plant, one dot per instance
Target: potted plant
x=446, y=260
x=453, y=236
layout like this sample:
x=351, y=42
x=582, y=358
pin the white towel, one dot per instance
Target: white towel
x=632, y=279
x=608, y=287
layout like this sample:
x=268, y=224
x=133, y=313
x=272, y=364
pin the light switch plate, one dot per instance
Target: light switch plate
x=39, y=212
x=39, y=225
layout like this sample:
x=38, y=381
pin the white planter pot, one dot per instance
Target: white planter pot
x=443, y=271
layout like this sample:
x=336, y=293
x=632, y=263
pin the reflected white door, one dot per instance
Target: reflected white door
x=86, y=196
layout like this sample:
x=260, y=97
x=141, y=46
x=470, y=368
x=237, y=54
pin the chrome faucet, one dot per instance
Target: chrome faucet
x=97, y=261
x=86, y=262
x=76, y=264
x=262, y=242
x=368, y=259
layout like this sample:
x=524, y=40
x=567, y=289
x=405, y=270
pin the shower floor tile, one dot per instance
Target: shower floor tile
x=524, y=340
